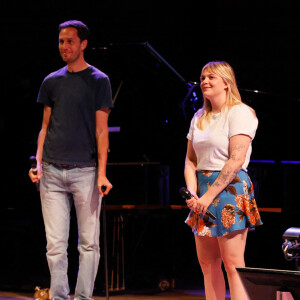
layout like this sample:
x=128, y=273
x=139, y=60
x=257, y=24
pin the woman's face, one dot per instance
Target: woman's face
x=212, y=85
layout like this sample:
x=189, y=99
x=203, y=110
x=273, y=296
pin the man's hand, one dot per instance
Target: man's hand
x=103, y=181
x=36, y=174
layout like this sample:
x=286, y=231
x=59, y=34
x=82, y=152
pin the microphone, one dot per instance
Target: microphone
x=186, y=194
x=32, y=161
x=103, y=188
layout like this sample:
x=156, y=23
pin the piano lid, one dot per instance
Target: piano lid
x=154, y=106
x=147, y=92
x=143, y=55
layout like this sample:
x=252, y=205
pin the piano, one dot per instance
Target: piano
x=154, y=104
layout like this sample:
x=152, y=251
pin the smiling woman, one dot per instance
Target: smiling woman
x=219, y=89
x=213, y=88
x=218, y=153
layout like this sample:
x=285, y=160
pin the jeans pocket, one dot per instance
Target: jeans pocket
x=45, y=166
x=86, y=169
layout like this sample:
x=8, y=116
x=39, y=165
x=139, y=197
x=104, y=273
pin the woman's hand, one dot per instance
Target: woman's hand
x=191, y=203
x=199, y=205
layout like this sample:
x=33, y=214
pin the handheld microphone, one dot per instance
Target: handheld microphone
x=186, y=194
x=32, y=161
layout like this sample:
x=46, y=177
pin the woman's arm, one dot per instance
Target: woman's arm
x=238, y=147
x=190, y=171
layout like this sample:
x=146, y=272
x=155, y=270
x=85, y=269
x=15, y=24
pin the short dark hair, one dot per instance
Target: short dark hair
x=82, y=29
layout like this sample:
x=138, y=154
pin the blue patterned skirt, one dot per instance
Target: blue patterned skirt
x=235, y=207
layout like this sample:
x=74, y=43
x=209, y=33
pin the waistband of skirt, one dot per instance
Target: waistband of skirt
x=218, y=171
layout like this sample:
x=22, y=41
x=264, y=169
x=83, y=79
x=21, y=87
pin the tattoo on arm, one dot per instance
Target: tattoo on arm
x=225, y=177
x=235, y=151
x=228, y=173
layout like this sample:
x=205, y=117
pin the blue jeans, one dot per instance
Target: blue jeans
x=59, y=188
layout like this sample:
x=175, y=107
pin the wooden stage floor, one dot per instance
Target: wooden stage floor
x=171, y=294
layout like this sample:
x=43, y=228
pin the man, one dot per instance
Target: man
x=71, y=159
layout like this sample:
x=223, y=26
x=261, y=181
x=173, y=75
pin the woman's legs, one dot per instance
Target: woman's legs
x=232, y=248
x=210, y=261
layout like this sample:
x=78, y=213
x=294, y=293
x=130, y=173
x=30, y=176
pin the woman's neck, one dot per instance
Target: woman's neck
x=217, y=104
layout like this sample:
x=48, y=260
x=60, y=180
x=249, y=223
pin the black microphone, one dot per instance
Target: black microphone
x=103, y=188
x=32, y=161
x=186, y=194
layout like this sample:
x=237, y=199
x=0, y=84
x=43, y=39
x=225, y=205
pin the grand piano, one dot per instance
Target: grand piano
x=153, y=108
x=148, y=125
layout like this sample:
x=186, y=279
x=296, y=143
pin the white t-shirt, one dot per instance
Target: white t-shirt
x=212, y=144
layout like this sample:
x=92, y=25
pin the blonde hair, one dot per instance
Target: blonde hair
x=233, y=97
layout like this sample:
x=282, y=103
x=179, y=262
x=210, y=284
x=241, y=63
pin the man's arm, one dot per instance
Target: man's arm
x=102, y=148
x=40, y=144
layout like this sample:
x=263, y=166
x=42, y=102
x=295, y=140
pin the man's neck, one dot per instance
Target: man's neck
x=77, y=66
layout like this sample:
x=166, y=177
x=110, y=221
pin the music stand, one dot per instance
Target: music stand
x=263, y=284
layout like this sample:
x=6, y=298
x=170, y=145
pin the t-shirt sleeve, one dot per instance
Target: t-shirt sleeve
x=193, y=124
x=191, y=130
x=104, y=95
x=43, y=95
x=242, y=120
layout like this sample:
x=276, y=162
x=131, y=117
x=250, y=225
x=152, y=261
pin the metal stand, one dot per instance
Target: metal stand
x=118, y=255
x=105, y=246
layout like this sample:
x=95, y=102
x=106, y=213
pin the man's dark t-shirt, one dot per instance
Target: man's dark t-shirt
x=74, y=99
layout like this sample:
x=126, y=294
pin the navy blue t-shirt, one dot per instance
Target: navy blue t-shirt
x=74, y=99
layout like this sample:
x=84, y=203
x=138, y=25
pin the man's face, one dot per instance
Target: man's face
x=70, y=46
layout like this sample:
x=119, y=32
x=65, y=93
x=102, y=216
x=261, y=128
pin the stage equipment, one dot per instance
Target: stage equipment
x=267, y=284
x=117, y=257
x=291, y=245
x=103, y=189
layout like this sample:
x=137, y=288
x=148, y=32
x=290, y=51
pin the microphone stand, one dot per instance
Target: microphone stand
x=103, y=188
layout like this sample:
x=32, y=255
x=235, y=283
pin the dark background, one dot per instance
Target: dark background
x=260, y=39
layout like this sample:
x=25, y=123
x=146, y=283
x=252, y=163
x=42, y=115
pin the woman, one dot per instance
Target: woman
x=218, y=153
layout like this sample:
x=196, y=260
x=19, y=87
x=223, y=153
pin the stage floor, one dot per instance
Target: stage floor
x=140, y=295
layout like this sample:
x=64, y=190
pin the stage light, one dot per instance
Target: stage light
x=291, y=245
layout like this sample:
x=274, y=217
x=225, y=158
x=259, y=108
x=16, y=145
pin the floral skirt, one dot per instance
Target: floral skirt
x=235, y=207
